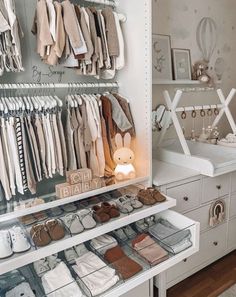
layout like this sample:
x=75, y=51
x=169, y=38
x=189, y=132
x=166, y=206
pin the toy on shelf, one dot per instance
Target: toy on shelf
x=77, y=182
x=124, y=158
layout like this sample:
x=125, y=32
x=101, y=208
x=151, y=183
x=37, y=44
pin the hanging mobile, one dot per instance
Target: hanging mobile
x=183, y=117
x=193, y=115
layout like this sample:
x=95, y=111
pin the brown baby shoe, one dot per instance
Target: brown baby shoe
x=40, y=216
x=40, y=235
x=100, y=214
x=55, y=229
x=146, y=197
x=156, y=195
x=111, y=210
x=27, y=220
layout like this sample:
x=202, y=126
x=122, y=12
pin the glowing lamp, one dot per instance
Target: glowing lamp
x=124, y=158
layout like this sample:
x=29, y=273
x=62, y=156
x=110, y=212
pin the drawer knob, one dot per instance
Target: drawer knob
x=215, y=243
x=186, y=198
x=185, y=260
x=218, y=187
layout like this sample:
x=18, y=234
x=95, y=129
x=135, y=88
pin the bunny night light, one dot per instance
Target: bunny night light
x=124, y=157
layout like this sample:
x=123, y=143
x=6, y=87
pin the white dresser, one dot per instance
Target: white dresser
x=195, y=194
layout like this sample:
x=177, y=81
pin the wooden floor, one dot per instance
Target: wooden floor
x=209, y=282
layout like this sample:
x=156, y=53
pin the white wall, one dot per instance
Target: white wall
x=179, y=19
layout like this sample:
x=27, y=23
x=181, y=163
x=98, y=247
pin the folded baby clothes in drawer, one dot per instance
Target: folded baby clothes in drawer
x=173, y=239
x=96, y=276
x=126, y=266
x=149, y=249
x=59, y=282
x=103, y=243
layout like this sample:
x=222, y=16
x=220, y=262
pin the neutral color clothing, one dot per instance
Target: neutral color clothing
x=149, y=249
x=95, y=274
x=59, y=282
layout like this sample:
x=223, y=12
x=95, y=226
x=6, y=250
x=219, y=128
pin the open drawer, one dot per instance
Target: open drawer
x=148, y=271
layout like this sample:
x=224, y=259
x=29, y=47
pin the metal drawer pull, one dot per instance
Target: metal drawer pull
x=215, y=243
x=218, y=187
x=186, y=198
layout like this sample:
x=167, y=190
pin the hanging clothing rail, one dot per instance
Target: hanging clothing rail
x=57, y=85
x=113, y=3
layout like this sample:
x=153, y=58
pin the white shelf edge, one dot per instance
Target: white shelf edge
x=176, y=82
x=55, y=247
x=19, y=213
x=181, y=82
x=148, y=274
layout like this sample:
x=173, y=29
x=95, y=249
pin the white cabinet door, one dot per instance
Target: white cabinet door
x=140, y=291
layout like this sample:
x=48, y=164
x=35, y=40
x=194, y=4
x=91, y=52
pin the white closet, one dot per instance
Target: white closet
x=135, y=83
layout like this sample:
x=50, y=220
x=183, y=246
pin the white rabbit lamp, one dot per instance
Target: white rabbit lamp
x=124, y=157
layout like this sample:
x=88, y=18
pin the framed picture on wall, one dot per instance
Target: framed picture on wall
x=181, y=64
x=161, y=57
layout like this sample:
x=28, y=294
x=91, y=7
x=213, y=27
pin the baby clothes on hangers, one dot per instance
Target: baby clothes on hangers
x=87, y=39
x=10, y=33
x=31, y=147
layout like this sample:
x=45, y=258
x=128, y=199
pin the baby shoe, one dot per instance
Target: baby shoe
x=129, y=231
x=124, y=204
x=56, y=211
x=81, y=249
x=40, y=216
x=121, y=234
x=146, y=197
x=141, y=225
x=150, y=221
x=69, y=207
x=73, y=223
x=20, y=242
x=5, y=244
x=135, y=203
x=55, y=229
x=110, y=209
x=86, y=218
x=156, y=194
x=53, y=260
x=41, y=267
x=40, y=236
x=70, y=255
x=28, y=219
x=100, y=214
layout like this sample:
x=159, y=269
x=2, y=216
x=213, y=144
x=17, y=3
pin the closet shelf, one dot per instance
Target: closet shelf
x=207, y=159
x=19, y=260
x=58, y=202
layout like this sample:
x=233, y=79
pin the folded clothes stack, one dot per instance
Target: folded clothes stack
x=95, y=275
x=171, y=238
x=103, y=243
x=108, y=247
x=149, y=249
x=59, y=282
x=126, y=266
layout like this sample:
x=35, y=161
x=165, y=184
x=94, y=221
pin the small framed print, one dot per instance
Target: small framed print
x=181, y=64
x=161, y=57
